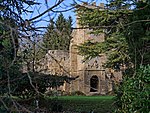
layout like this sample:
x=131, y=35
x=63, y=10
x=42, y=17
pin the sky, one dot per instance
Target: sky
x=44, y=20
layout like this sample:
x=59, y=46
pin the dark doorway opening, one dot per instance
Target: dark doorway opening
x=94, y=84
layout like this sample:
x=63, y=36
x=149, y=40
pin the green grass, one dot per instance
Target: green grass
x=85, y=104
x=73, y=104
x=86, y=97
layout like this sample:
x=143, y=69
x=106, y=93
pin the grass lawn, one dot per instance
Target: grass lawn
x=73, y=104
x=86, y=104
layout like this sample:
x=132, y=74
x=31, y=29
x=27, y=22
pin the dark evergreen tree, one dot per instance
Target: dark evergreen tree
x=121, y=21
x=58, y=34
x=126, y=26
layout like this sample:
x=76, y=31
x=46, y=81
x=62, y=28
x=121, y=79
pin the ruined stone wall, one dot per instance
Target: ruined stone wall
x=94, y=67
x=57, y=62
x=85, y=70
x=70, y=63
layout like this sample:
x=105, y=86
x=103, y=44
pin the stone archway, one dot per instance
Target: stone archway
x=94, y=84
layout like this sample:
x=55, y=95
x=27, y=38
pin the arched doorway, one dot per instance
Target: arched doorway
x=94, y=84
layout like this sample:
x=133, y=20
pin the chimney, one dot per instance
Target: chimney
x=101, y=5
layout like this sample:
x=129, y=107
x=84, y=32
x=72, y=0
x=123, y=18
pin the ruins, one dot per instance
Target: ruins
x=93, y=77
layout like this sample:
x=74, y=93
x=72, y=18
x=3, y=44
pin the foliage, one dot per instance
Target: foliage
x=58, y=34
x=14, y=10
x=137, y=34
x=8, y=102
x=38, y=83
x=91, y=49
x=12, y=81
x=115, y=47
x=9, y=68
x=126, y=26
x=126, y=31
x=134, y=93
x=10, y=25
x=31, y=53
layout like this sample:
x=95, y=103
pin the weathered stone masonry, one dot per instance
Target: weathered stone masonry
x=93, y=77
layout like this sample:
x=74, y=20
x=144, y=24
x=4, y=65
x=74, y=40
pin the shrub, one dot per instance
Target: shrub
x=134, y=93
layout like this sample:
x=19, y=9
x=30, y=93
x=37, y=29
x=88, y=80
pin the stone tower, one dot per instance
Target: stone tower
x=93, y=77
x=91, y=74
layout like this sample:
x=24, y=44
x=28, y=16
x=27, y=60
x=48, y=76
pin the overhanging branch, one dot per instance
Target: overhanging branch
x=59, y=2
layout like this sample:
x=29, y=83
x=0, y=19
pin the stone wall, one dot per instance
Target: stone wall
x=85, y=70
x=92, y=68
x=58, y=62
x=93, y=77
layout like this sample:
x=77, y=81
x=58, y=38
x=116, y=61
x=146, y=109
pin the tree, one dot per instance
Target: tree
x=58, y=34
x=133, y=93
x=10, y=63
x=9, y=47
x=13, y=29
x=41, y=81
x=120, y=21
x=126, y=26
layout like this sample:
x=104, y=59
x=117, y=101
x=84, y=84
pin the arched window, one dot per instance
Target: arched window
x=94, y=84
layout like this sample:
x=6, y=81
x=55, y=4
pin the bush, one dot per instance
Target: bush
x=44, y=104
x=56, y=106
x=55, y=93
x=134, y=94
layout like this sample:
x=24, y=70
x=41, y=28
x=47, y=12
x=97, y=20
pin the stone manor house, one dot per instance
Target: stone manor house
x=93, y=77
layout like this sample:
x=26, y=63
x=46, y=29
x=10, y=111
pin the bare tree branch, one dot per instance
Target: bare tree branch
x=59, y=2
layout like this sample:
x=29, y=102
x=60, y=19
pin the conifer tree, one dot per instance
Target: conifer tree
x=58, y=34
x=126, y=30
x=126, y=25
